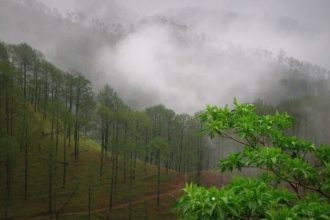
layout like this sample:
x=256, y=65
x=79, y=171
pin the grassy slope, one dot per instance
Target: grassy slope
x=78, y=173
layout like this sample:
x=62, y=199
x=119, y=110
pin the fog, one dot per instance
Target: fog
x=182, y=53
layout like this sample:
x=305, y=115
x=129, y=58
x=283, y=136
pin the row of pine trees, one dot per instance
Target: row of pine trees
x=44, y=105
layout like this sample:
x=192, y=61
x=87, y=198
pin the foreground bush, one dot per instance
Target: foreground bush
x=295, y=183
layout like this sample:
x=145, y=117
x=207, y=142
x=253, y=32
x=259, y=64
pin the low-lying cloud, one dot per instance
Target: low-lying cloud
x=154, y=63
x=184, y=54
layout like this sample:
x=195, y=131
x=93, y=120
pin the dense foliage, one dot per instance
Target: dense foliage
x=294, y=184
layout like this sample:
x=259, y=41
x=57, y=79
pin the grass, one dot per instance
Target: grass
x=146, y=210
x=79, y=173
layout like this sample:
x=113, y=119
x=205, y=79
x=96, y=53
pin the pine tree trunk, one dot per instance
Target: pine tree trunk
x=102, y=155
x=8, y=184
x=26, y=162
x=158, y=179
x=89, y=198
x=64, y=162
x=130, y=188
x=50, y=182
x=112, y=183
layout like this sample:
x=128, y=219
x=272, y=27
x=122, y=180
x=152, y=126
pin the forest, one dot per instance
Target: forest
x=63, y=147
x=52, y=124
x=108, y=115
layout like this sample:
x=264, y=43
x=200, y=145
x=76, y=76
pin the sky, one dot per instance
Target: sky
x=315, y=11
x=303, y=38
x=183, y=53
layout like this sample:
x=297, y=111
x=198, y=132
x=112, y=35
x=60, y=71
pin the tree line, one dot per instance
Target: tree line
x=33, y=91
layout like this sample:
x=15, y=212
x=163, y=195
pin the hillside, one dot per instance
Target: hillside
x=101, y=110
x=66, y=151
x=81, y=179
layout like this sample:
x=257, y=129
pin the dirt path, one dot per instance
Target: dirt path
x=170, y=193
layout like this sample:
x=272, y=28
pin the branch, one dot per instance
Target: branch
x=234, y=139
x=261, y=141
x=292, y=183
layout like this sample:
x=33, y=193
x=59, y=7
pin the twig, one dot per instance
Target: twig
x=234, y=139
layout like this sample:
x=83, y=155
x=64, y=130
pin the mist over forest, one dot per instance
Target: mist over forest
x=157, y=54
x=107, y=76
